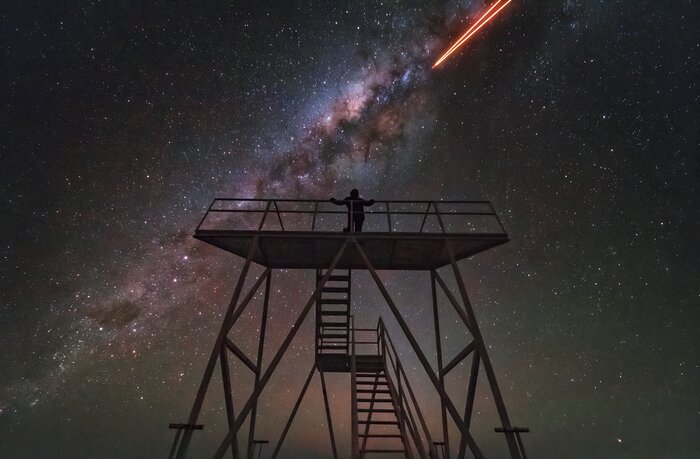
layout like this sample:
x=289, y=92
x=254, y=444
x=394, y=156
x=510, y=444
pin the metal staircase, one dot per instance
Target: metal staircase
x=386, y=418
x=379, y=424
x=333, y=322
x=384, y=409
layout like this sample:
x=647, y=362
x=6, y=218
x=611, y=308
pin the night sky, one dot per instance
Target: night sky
x=121, y=121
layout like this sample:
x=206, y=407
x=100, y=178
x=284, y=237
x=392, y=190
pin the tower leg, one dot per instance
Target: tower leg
x=438, y=346
x=229, y=318
x=258, y=366
x=445, y=399
x=278, y=356
x=228, y=397
x=294, y=412
x=481, y=351
x=328, y=414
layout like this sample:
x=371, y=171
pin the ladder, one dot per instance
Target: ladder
x=333, y=317
x=380, y=428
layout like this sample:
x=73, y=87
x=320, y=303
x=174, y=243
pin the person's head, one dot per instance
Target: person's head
x=354, y=193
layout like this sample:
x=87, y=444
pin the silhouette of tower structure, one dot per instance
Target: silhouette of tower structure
x=399, y=235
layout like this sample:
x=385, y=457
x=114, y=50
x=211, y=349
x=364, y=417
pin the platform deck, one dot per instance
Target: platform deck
x=386, y=251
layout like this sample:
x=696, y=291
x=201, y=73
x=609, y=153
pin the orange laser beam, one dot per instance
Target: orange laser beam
x=472, y=30
x=465, y=35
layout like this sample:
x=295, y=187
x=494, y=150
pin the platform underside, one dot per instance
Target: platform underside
x=316, y=250
x=333, y=363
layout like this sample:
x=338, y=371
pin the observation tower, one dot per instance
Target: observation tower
x=400, y=236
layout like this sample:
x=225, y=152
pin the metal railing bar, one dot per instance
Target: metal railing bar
x=458, y=358
x=339, y=212
x=398, y=201
x=425, y=217
x=279, y=217
x=437, y=214
x=264, y=217
x=398, y=367
x=498, y=219
x=313, y=221
x=388, y=215
x=205, y=214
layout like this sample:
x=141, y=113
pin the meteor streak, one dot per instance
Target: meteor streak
x=485, y=18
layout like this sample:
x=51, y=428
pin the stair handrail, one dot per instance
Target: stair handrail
x=353, y=390
x=388, y=345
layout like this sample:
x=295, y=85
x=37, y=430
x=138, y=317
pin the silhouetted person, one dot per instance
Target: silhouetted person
x=356, y=210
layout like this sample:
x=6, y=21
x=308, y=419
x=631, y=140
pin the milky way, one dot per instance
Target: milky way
x=123, y=122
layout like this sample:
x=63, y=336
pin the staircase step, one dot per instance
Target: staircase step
x=334, y=301
x=335, y=289
x=338, y=346
x=383, y=451
x=338, y=324
x=333, y=335
x=376, y=400
x=366, y=421
x=374, y=435
x=376, y=410
x=334, y=313
x=373, y=391
x=338, y=278
x=334, y=307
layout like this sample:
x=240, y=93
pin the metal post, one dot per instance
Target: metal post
x=490, y=374
x=438, y=345
x=278, y=356
x=328, y=414
x=279, y=217
x=388, y=215
x=209, y=371
x=294, y=412
x=171, y=455
x=228, y=397
x=469, y=403
x=419, y=353
x=355, y=447
x=258, y=364
x=424, y=426
x=313, y=220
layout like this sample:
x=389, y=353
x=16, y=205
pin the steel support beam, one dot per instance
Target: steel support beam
x=278, y=356
x=419, y=353
x=294, y=412
x=490, y=374
x=214, y=356
x=328, y=414
x=258, y=363
x=441, y=372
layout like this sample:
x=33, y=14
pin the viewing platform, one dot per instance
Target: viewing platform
x=307, y=234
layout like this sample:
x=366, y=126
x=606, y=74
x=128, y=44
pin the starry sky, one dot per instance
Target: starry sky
x=121, y=121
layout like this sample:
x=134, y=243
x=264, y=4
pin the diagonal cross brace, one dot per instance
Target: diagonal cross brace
x=419, y=353
x=278, y=356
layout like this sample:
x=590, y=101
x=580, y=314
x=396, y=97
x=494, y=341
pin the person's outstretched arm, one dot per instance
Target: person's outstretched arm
x=337, y=201
x=369, y=202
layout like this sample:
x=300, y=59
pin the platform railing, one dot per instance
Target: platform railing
x=413, y=417
x=303, y=215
